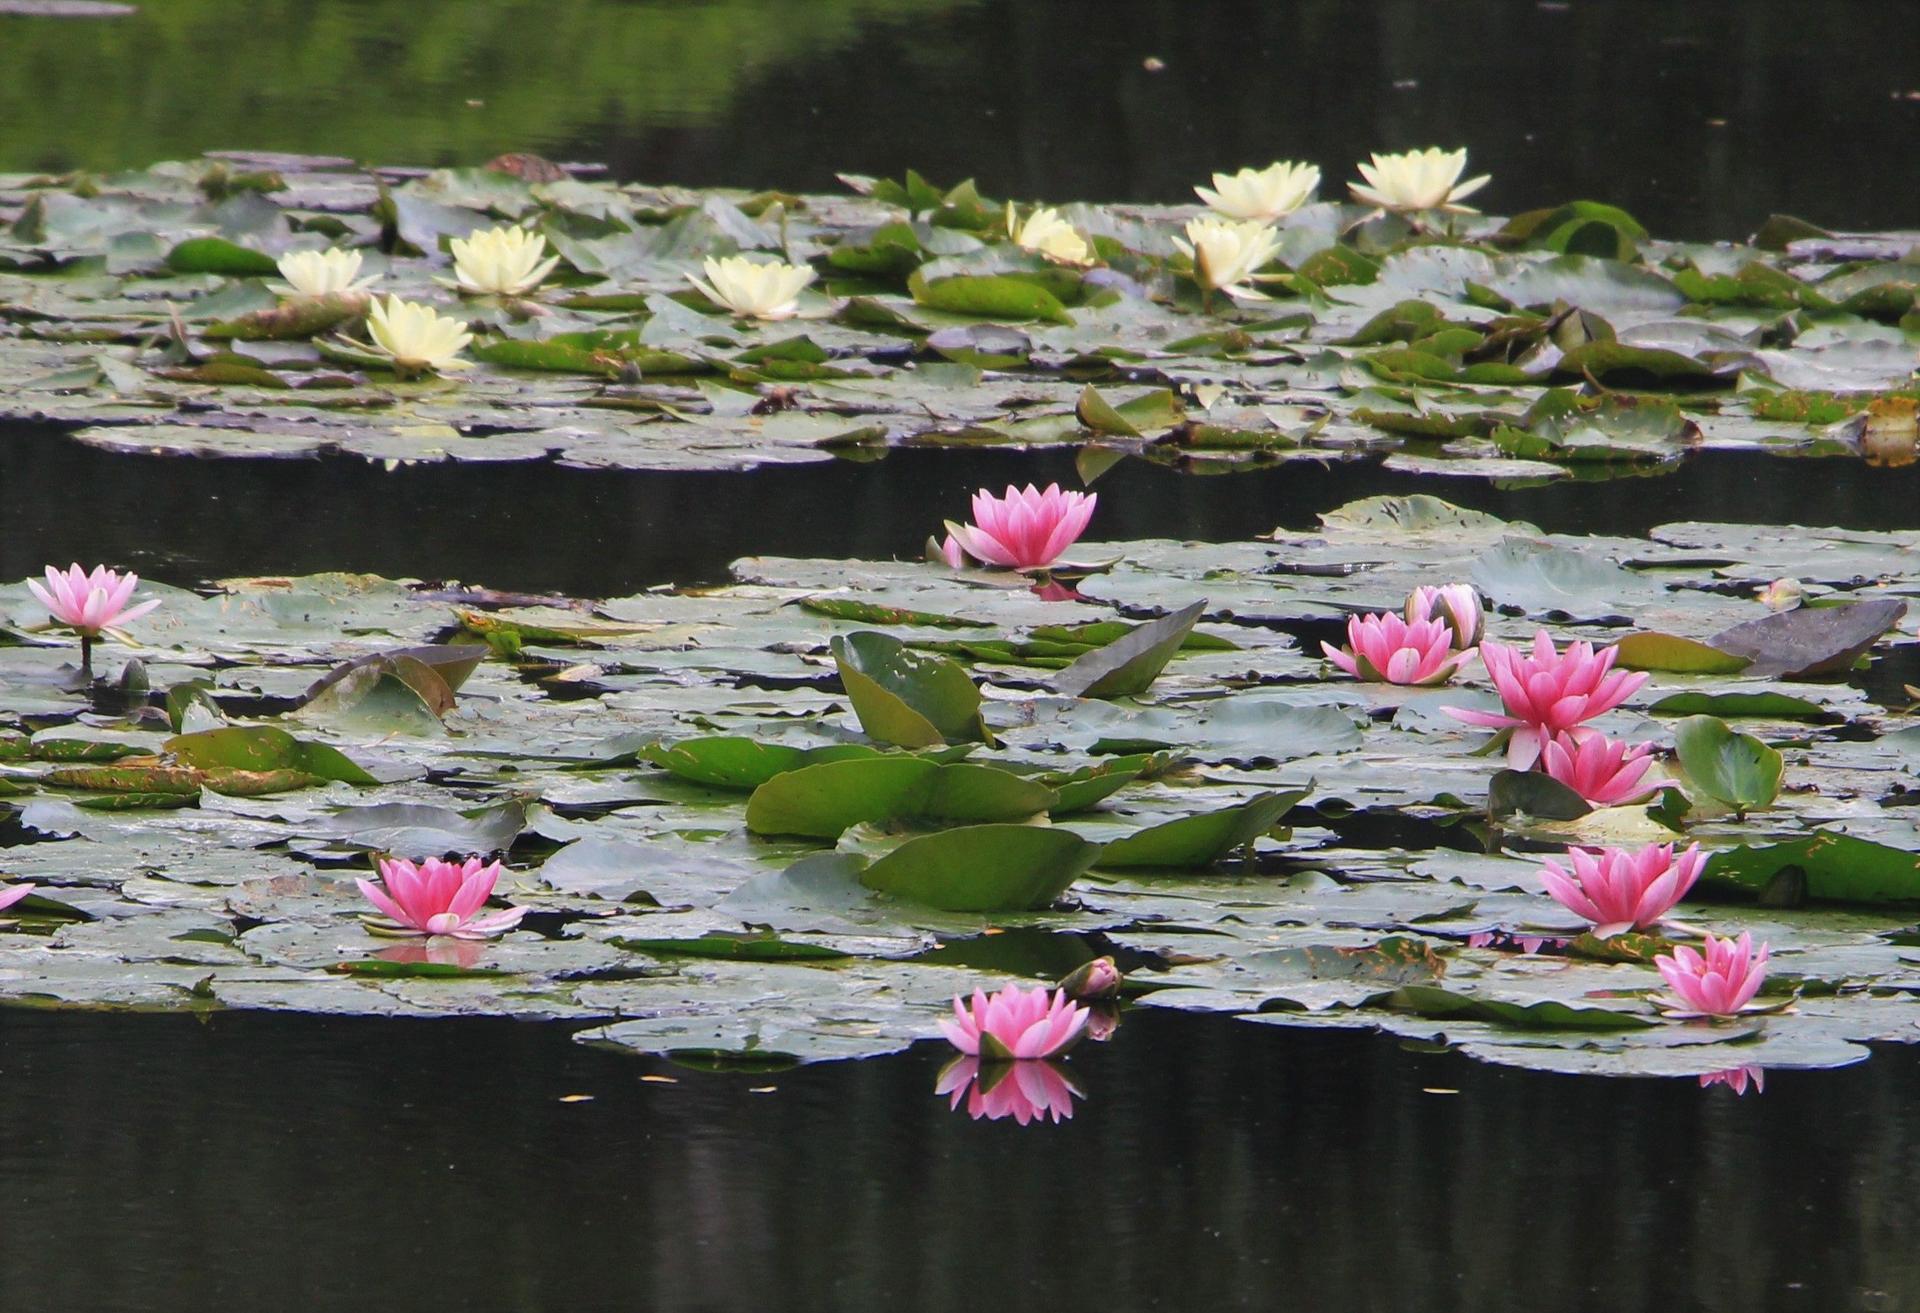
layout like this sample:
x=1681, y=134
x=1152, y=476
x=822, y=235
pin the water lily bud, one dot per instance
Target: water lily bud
x=1100, y=978
x=1458, y=606
x=1781, y=594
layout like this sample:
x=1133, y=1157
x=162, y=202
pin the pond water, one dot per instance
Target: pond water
x=242, y=1161
x=190, y=520
x=253, y=1160
x=1699, y=119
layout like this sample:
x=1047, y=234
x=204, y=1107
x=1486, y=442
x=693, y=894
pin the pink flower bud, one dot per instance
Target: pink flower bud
x=1100, y=978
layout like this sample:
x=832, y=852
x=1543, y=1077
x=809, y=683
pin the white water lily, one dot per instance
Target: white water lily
x=324, y=273
x=1262, y=194
x=415, y=336
x=499, y=262
x=1419, y=180
x=1225, y=255
x=1044, y=232
x=769, y=290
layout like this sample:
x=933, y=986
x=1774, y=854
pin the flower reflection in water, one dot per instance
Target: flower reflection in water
x=1026, y=1090
x=439, y=951
x=1055, y=591
x=1737, y=1078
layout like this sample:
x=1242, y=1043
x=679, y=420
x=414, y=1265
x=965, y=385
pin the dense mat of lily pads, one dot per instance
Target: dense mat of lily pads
x=140, y=308
x=789, y=818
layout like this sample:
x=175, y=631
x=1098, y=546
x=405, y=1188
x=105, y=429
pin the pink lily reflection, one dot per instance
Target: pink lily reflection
x=1738, y=1078
x=439, y=951
x=1027, y=1090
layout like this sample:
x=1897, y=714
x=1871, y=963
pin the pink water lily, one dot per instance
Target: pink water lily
x=438, y=898
x=1024, y=530
x=13, y=893
x=89, y=603
x=1026, y=1091
x=1720, y=983
x=1015, y=1023
x=1383, y=648
x=1458, y=605
x=1737, y=1078
x=1548, y=693
x=1618, y=890
x=1604, y=771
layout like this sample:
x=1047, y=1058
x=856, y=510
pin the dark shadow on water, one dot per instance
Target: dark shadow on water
x=167, y=1165
x=607, y=533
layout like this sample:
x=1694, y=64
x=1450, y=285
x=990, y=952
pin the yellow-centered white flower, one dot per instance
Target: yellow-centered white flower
x=758, y=290
x=323, y=273
x=416, y=336
x=499, y=262
x=1419, y=180
x=1262, y=194
x=1044, y=232
x=1225, y=255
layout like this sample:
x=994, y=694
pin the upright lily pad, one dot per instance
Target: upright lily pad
x=1202, y=839
x=904, y=697
x=1533, y=793
x=984, y=868
x=1736, y=769
x=1129, y=665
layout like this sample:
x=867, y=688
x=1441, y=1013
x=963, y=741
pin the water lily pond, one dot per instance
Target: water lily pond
x=1284, y=686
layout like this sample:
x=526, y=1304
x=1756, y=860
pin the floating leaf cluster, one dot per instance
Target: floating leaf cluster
x=790, y=818
x=146, y=310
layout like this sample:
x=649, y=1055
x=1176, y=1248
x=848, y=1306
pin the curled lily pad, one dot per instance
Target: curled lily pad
x=1129, y=664
x=984, y=868
x=907, y=698
x=1736, y=769
x=1202, y=839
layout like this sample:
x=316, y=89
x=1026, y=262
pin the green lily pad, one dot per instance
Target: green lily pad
x=984, y=868
x=1129, y=665
x=1653, y=651
x=1202, y=839
x=825, y=800
x=1736, y=769
x=907, y=698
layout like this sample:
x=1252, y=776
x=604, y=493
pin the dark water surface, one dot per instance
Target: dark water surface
x=1700, y=118
x=296, y=1163
x=602, y=533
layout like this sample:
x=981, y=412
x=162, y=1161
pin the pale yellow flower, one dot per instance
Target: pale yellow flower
x=415, y=336
x=1419, y=180
x=499, y=262
x=1045, y=233
x=769, y=290
x=1226, y=255
x=323, y=273
x=1263, y=194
